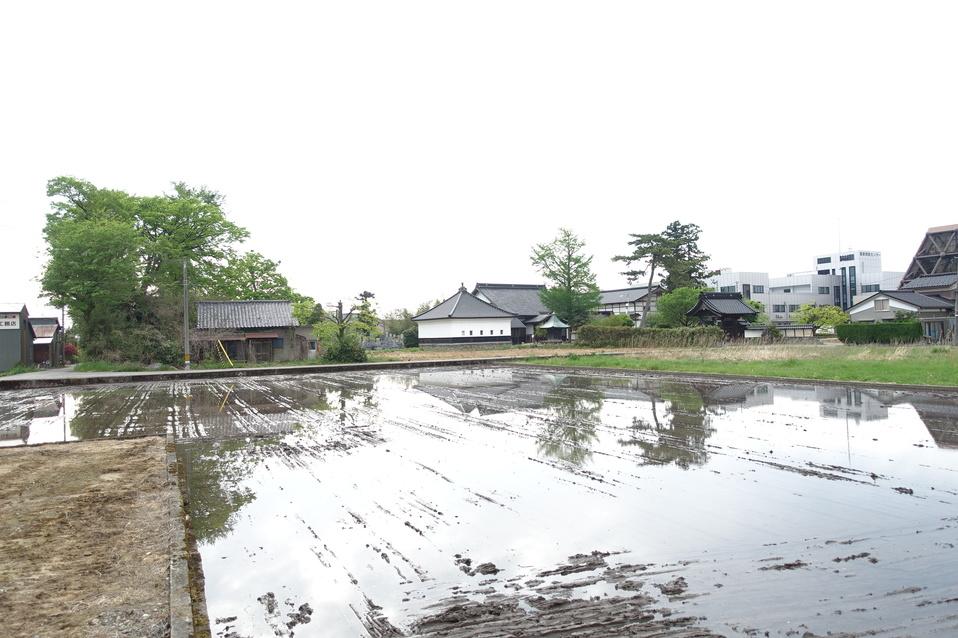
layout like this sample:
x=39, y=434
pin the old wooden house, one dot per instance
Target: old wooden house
x=252, y=331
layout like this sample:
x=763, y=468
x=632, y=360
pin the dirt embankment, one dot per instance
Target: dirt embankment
x=84, y=547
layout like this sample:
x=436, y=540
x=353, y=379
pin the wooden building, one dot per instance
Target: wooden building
x=252, y=331
x=47, y=342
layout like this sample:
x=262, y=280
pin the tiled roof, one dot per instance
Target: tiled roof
x=931, y=281
x=623, y=295
x=522, y=299
x=463, y=305
x=920, y=301
x=722, y=303
x=219, y=315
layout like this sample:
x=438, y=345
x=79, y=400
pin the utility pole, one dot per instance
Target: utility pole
x=954, y=326
x=186, y=319
x=63, y=336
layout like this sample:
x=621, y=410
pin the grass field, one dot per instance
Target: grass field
x=922, y=365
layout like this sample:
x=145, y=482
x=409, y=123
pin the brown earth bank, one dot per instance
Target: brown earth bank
x=84, y=549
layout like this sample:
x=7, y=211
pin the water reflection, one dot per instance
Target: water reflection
x=680, y=433
x=214, y=474
x=570, y=429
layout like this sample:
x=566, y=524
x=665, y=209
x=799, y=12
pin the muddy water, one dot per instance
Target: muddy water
x=493, y=502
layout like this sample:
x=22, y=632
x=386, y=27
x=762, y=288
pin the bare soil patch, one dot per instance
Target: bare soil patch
x=84, y=547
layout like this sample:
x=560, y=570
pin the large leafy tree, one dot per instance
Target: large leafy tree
x=250, y=276
x=822, y=316
x=571, y=291
x=115, y=262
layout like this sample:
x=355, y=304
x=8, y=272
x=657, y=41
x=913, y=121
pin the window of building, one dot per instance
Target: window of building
x=847, y=258
x=480, y=333
x=824, y=290
x=871, y=287
x=793, y=307
x=824, y=260
x=778, y=307
x=470, y=333
x=278, y=343
x=758, y=289
x=824, y=272
x=727, y=289
x=881, y=304
x=787, y=290
x=463, y=333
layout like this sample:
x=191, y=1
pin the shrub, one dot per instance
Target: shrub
x=601, y=336
x=410, y=337
x=897, y=332
x=340, y=343
x=611, y=321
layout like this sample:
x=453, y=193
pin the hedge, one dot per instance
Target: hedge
x=623, y=337
x=903, y=332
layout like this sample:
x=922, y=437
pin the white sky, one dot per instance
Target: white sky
x=403, y=147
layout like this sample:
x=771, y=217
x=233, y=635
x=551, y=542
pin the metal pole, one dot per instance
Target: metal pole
x=63, y=336
x=186, y=320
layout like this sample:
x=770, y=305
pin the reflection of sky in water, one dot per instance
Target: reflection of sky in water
x=336, y=489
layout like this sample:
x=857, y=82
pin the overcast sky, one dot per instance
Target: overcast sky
x=405, y=147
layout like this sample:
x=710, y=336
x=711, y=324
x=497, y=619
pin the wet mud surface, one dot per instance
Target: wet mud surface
x=523, y=502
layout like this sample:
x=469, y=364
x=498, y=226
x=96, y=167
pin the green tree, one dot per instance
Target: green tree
x=307, y=312
x=399, y=321
x=822, y=316
x=649, y=251
x=671, y=307
x=687, y=265
x=249, y=276
x=571, y=291
x=365, y=320
x=762, y=318
x=341, y=341
x=115, y=261
x=674, y=251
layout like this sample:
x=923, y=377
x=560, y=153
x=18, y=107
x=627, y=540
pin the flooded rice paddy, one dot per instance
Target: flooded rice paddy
x=525, y=502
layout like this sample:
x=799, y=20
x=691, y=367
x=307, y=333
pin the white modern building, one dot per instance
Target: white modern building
x=860, y=272
x=838, y=279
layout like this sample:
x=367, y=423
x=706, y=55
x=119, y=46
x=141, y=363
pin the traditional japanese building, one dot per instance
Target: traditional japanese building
x=464, y=318
x=724, y=309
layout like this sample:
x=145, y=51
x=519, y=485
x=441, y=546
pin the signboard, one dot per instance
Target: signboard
x=9, y=321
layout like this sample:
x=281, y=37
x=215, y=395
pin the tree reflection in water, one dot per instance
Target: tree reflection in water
x=574, y=413
x=214, y=475
x=680, y=433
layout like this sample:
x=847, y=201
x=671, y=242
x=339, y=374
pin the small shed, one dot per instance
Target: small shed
x=466, y=319
x=48, y=341
x=724, y=309
x=253, y=331
x=555, y=328
x=16, y=336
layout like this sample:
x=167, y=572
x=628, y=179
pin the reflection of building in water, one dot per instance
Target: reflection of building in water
x=490, y=391
x=940, y=416
x=38, y=422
